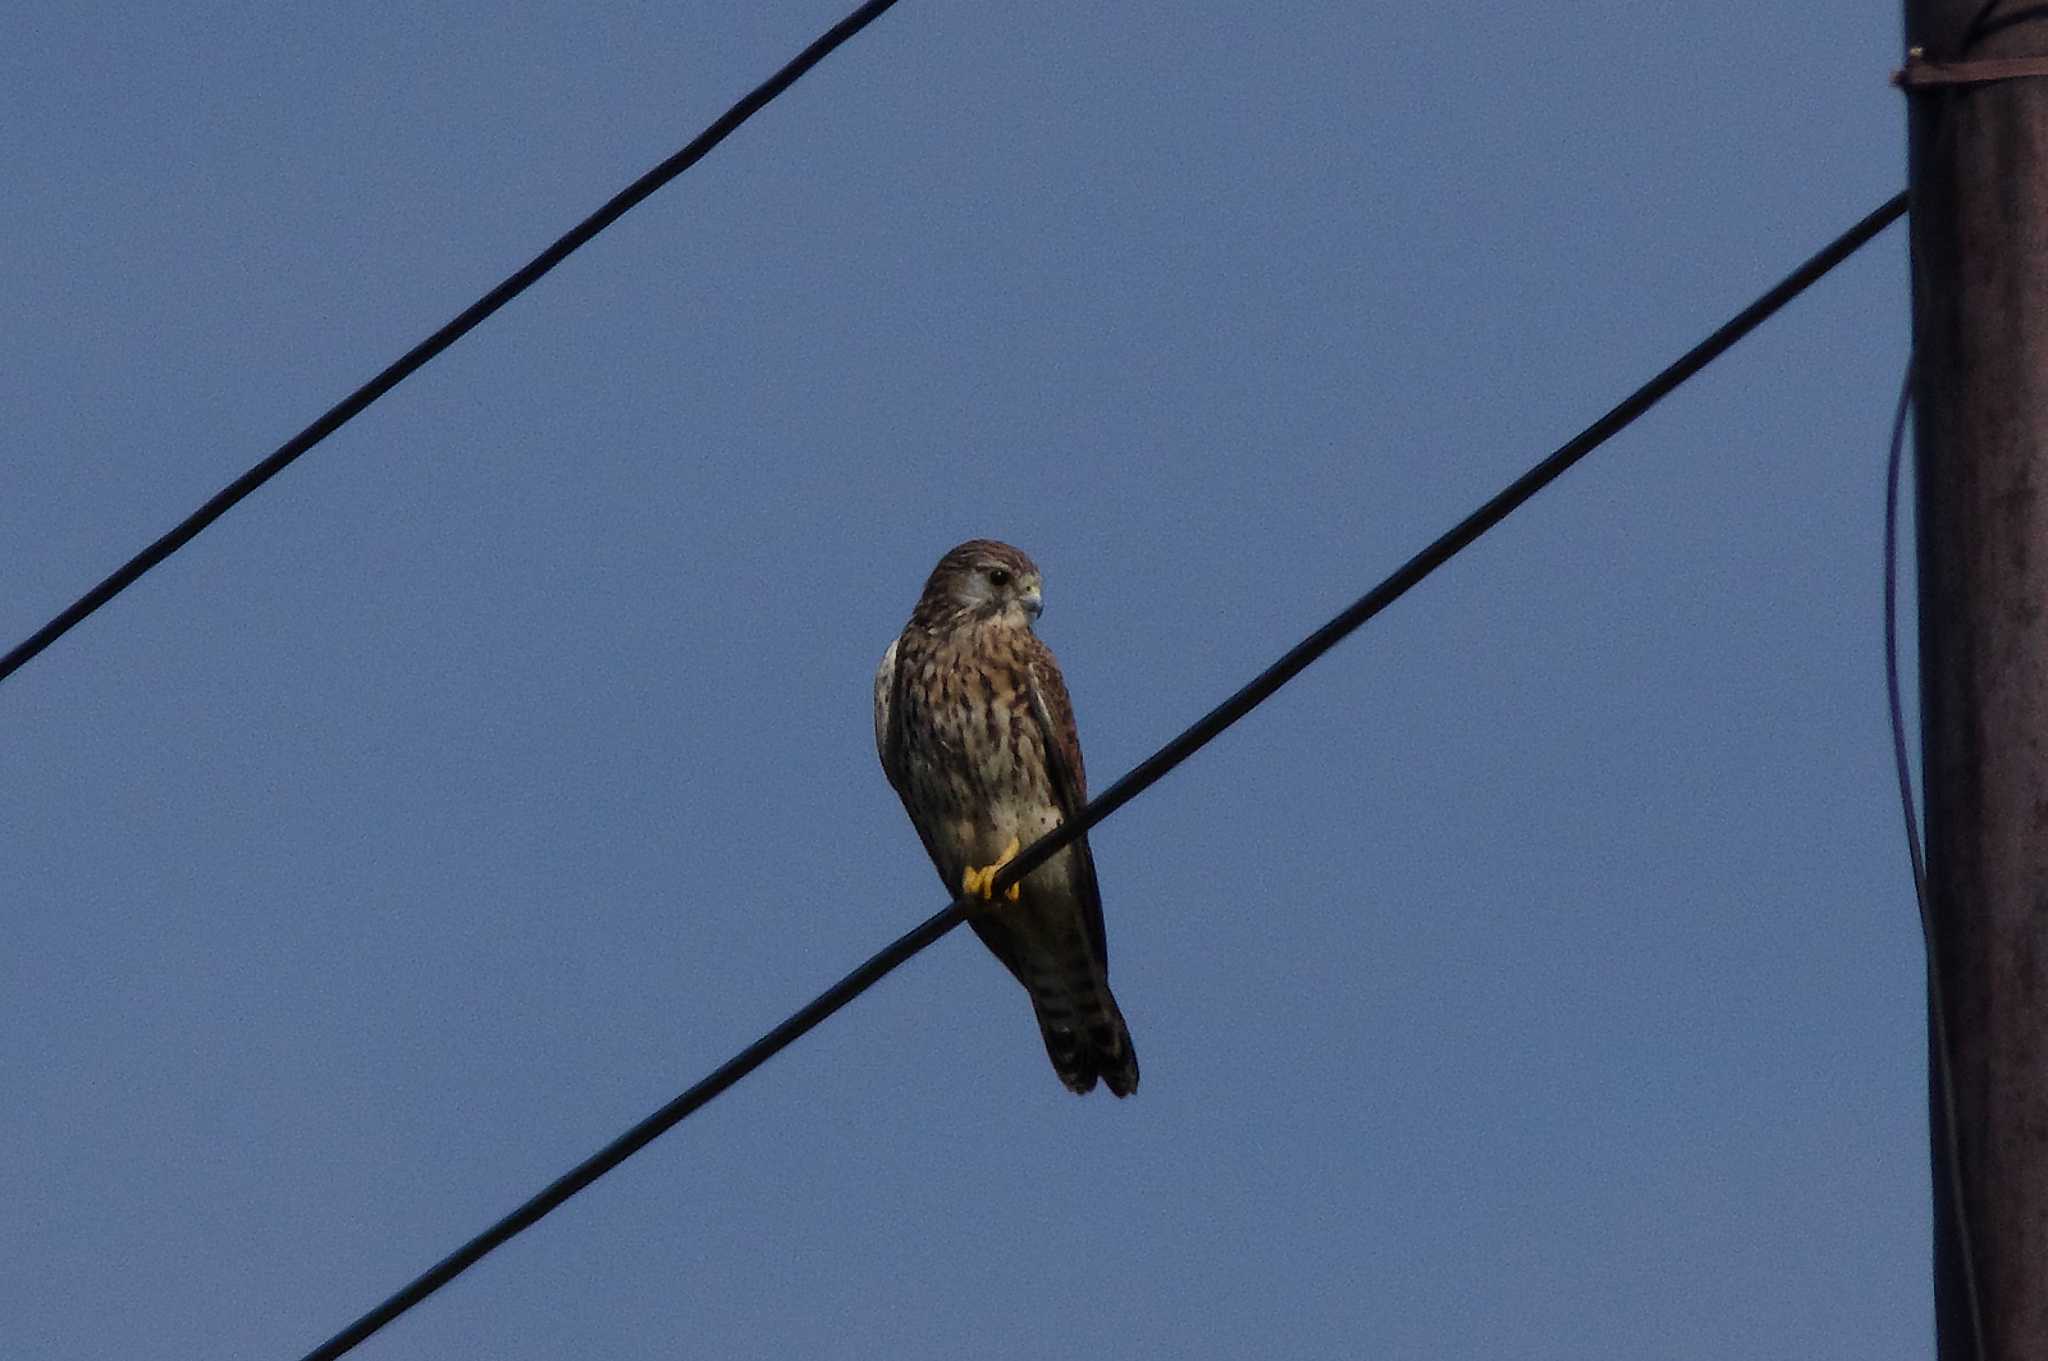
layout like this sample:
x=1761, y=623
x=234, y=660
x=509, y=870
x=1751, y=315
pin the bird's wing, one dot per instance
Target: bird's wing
x=885, y=706
x=889, y=744
x=1062, y=743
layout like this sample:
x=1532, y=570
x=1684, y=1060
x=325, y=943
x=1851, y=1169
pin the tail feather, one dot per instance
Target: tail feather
x=1096, y=1044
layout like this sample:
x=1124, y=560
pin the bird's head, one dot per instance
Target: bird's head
x=981, y=580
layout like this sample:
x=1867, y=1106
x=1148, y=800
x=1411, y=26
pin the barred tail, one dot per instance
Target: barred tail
x=1089, y=1042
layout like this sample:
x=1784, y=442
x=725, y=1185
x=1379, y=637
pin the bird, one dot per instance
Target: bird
x=976, y=735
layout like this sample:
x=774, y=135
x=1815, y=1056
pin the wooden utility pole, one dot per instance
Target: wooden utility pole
x=1979, y=167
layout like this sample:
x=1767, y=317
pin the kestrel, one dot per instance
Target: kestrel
x=977, y=735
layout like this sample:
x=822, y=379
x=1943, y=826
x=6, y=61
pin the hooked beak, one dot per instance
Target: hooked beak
x=1033, y=603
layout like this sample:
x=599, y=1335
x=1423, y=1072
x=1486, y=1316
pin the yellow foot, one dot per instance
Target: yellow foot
x=983, y=880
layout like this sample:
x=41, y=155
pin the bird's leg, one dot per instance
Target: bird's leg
x=983, y=880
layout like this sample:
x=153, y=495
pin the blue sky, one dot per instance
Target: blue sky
x=1536, y=976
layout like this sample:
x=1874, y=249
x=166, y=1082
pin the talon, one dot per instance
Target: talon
x=982, y=881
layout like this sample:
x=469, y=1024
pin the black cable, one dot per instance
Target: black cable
x=1503, y=504
x=412, y=360
x=1129, y=787
x=1891, y=664
x=642, y=1134
x=1937, y=1004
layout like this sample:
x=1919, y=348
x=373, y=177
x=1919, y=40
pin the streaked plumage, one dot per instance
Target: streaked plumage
x=976, y=734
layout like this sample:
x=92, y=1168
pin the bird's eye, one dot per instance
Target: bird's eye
x=998, y=576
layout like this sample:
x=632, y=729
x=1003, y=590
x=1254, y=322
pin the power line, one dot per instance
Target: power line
x=1141, y=778
x=1504, y=503
x=644, y=1133
x=418, y=356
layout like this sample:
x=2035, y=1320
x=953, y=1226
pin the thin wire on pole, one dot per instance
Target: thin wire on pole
x=1139, y=779
x=419, y=355
x=1942, y=1059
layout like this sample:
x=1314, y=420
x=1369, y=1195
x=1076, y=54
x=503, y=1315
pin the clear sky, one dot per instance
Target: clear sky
x=1536, y=977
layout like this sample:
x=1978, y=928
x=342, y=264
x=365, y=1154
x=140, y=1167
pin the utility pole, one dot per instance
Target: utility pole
x=1978, y=110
